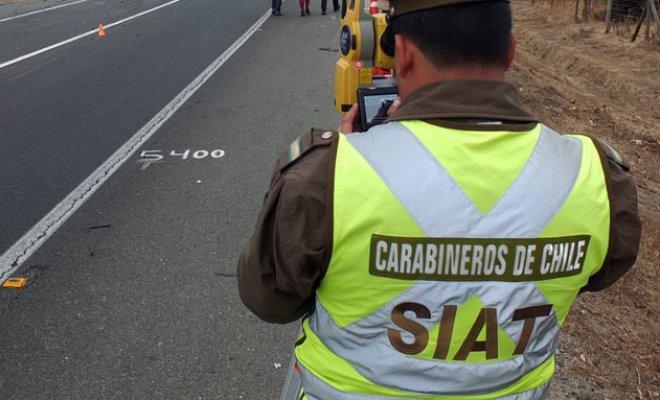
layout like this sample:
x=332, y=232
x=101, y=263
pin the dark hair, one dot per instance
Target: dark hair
x=473, y=34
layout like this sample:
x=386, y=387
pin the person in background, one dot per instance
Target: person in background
x=335, y=6
x=304, y=7
x=276, y=6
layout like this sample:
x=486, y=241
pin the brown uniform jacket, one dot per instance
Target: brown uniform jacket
x=289, y=252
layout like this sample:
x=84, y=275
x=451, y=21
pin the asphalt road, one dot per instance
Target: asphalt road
x=134, y=296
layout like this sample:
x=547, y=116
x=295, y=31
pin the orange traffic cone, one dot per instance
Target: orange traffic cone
x=373, y=7
x=101, y=31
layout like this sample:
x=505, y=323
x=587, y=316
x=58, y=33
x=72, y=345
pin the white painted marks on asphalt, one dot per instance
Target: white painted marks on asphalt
x=83, y=35
x=43, y=10
x=148, y=157
x=44, y=229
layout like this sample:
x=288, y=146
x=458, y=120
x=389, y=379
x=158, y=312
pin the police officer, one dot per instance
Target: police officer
x=436, y=256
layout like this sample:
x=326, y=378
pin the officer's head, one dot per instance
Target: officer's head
x=461, y=38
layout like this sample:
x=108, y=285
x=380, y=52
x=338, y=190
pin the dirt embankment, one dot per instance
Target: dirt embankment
x=578, y=79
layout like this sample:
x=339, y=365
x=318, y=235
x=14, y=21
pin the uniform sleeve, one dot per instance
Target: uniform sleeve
x=625, y=225
x=288, y=253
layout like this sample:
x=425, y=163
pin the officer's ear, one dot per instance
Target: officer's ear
x=513, y=42
x=405, y=56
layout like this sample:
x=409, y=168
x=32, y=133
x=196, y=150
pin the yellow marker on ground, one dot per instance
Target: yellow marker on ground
x=14, y=283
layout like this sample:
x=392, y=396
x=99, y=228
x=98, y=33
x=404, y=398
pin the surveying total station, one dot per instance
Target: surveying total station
x=363, y=74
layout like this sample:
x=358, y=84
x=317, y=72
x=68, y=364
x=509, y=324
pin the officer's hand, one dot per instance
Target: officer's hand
x=393, y=107
x=351, y=121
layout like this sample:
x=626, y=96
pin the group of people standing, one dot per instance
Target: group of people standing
x=304, y=7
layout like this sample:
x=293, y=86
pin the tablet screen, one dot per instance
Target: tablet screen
x=376, y=107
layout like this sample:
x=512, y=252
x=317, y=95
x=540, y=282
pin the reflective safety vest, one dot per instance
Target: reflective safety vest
x=456, y=257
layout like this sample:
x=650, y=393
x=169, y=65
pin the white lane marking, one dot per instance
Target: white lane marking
x=20, y=251
x=82, y=35
x=42, y=10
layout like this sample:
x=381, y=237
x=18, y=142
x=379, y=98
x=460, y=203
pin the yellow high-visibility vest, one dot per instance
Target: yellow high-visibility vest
x=456, y=257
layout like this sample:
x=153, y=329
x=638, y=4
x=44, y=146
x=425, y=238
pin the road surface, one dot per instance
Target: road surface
x=133, y=294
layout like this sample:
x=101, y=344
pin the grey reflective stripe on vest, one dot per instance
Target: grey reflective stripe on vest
x=323, y=391
x=539, y=191
x=365, y=345
x=399, y=159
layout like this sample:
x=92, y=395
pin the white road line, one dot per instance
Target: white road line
x=20, y=251
x=82, y=35
x=42, y=10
